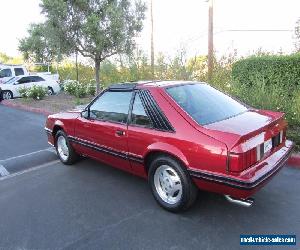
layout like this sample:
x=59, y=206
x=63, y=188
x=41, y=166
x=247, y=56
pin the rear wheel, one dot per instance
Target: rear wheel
x=6, y=95
x=171, y=185
x=64, y=149
x=50, y=91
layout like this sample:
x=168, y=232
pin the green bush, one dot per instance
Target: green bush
x=271, y=97
x=271, y=82
x=79, y=89
x=36, y=92
x=279, y=70
x=91, y=88
x=23, y=92
x=69, y=86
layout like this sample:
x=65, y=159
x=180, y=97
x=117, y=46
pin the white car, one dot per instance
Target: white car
x=9, y=71
x=10, y=89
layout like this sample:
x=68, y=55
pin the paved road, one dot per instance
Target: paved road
x=46, y=205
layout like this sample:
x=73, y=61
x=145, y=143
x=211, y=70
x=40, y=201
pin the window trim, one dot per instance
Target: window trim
x=87, y=108
x=136, y=92
x=129, y=116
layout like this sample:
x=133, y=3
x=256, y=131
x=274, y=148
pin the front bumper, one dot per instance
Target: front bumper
x=49, y=133
x=248, y=182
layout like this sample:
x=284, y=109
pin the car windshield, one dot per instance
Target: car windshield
x=205, y=104
x=11, y=81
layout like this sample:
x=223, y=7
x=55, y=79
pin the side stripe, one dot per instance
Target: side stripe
x=122, y=155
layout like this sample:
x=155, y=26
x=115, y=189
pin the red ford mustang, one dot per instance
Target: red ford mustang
x=180, y=135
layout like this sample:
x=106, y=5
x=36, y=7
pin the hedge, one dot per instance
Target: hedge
x=271, y=69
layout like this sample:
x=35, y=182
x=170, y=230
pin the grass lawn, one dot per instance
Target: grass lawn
x=56, y=103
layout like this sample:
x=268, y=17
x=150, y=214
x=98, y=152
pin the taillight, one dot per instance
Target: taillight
x=239, y=162
x=244, y=160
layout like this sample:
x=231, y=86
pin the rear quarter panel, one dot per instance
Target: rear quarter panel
x=195, y=149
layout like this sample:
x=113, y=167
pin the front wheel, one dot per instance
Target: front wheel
x=171, y=185
x=64, y=149
x=6, y=95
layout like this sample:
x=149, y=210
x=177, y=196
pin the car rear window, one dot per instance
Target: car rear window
x=204, y=103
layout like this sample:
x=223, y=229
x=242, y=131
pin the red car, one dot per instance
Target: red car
x=180, y=135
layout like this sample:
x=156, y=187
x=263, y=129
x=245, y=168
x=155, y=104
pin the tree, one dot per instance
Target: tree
x=97, y=29
x=5, y=59
x=41, y=45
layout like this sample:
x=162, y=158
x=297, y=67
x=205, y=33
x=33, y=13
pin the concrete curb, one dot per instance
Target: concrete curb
x=293, y=161
x=26, y=108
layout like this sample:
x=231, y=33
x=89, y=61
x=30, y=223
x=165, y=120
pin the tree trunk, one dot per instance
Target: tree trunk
x=77, y=75
x=97, y=72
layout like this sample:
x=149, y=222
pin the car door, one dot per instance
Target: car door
x=102, y=134
x=23, y=82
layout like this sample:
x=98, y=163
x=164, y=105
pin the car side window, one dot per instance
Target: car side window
x=24, y=80
x=5, y=73
x=19, y=71
x=36, y=79
x=138, y=114
x=111, y=106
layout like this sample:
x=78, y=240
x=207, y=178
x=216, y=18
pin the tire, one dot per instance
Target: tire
x=171, y=184
x=6, y=95
x=64, y=149
x=50, y=91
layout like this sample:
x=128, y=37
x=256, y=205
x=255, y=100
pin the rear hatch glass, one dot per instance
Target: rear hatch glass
x=204, y=103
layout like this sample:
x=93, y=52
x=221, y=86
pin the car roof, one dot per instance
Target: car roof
x=128, y=86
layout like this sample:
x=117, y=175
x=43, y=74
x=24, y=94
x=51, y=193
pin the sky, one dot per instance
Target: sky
x=183, y=24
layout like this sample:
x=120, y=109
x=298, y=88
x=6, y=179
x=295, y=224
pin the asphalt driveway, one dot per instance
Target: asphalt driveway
x=46, y=205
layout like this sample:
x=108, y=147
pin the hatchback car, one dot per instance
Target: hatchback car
x=181, y=136
x=10, y=89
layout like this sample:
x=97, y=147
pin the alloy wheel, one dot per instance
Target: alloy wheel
x=62, y=148
x=168, y=184
x=7, y=95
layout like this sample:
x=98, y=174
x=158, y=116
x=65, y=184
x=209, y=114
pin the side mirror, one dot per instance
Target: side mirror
x=85, y=114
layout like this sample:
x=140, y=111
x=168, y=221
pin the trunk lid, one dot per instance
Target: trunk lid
x=246, y=126
x=249, y=136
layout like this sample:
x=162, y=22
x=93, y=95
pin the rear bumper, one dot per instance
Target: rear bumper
x=248, y=182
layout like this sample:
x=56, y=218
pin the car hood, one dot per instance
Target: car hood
x=243, y=126
x=72, y=114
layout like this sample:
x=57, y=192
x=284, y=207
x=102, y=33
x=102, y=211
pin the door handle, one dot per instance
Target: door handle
x=120, y=133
